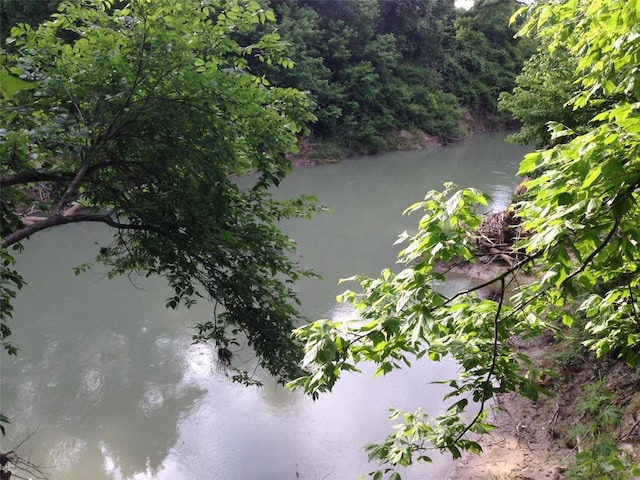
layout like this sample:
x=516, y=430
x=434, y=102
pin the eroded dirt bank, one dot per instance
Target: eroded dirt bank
x=523, y=446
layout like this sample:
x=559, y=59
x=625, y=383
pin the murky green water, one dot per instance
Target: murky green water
x=110, y=387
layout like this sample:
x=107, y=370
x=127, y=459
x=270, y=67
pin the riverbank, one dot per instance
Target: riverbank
x=523, y=446
x=540, y=440
x=318, y=151
x=312, y=151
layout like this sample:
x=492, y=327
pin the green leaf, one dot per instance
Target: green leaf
x=592, y=176
x=567, y=319
x=565, y=198
x=529, y=163
x=10, y=85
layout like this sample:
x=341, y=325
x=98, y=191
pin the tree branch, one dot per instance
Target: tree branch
x=59, y=219
x=33, y=176
x=596, y=251
x=492, y=368
x=498, y=278
x=86, y=166
x=73, y=186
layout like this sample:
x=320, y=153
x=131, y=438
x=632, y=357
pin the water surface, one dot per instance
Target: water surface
x=110, y=386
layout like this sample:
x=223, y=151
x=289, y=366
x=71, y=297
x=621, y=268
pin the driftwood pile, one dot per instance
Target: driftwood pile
x=496, y=236
x=498, y=233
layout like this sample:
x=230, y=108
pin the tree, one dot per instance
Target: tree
x=485, y=57
x=348, y=58
x=28, y=11
x=299, y=26
x=542, y=94
x=542, y=91
x=424, y=28
x=141, y=116
x=579, y=235
x=376, y=67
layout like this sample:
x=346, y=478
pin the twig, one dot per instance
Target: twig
x=494, y=358
x=554, y=419
x=15, y=464
x=330, y=472
x=630, y=431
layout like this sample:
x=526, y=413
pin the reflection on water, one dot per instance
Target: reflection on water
x=99, y=375
x=113, y=388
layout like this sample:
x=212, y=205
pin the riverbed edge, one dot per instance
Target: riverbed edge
x=538, y=440
x=317, y=151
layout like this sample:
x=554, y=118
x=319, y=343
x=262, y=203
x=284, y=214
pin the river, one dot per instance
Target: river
x=107, y=384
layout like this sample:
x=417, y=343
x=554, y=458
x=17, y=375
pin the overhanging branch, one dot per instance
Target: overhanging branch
x=59, y=219
x=33, y=176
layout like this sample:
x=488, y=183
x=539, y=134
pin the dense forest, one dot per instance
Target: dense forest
x=374, y=68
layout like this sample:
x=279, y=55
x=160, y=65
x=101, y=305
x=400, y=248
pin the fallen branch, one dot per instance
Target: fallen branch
x=13, y=466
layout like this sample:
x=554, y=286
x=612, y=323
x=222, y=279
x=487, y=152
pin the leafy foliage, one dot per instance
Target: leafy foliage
x=141, y=116
x=373, y=67
x=542, y=95
x=484, y=58
x=10, y=282
x=402, y=318
x=543, y=89
x=599, y=455
x=9, y=84
x=581, y=216
x=31, y=12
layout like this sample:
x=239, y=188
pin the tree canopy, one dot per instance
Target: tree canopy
x=423, y=61
x=139, y=117
x=138, y=114
x=576, y=234
x=375, y=67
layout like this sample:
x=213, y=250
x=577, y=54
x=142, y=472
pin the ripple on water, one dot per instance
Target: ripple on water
x=66, y=453
x=152, y=400
x=92, y=383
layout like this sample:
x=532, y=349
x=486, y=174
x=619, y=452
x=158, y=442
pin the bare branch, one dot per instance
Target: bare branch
x=498, y=278
x=73, y=186
x=15, y=465
x=33, y=176
x=59, y=219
